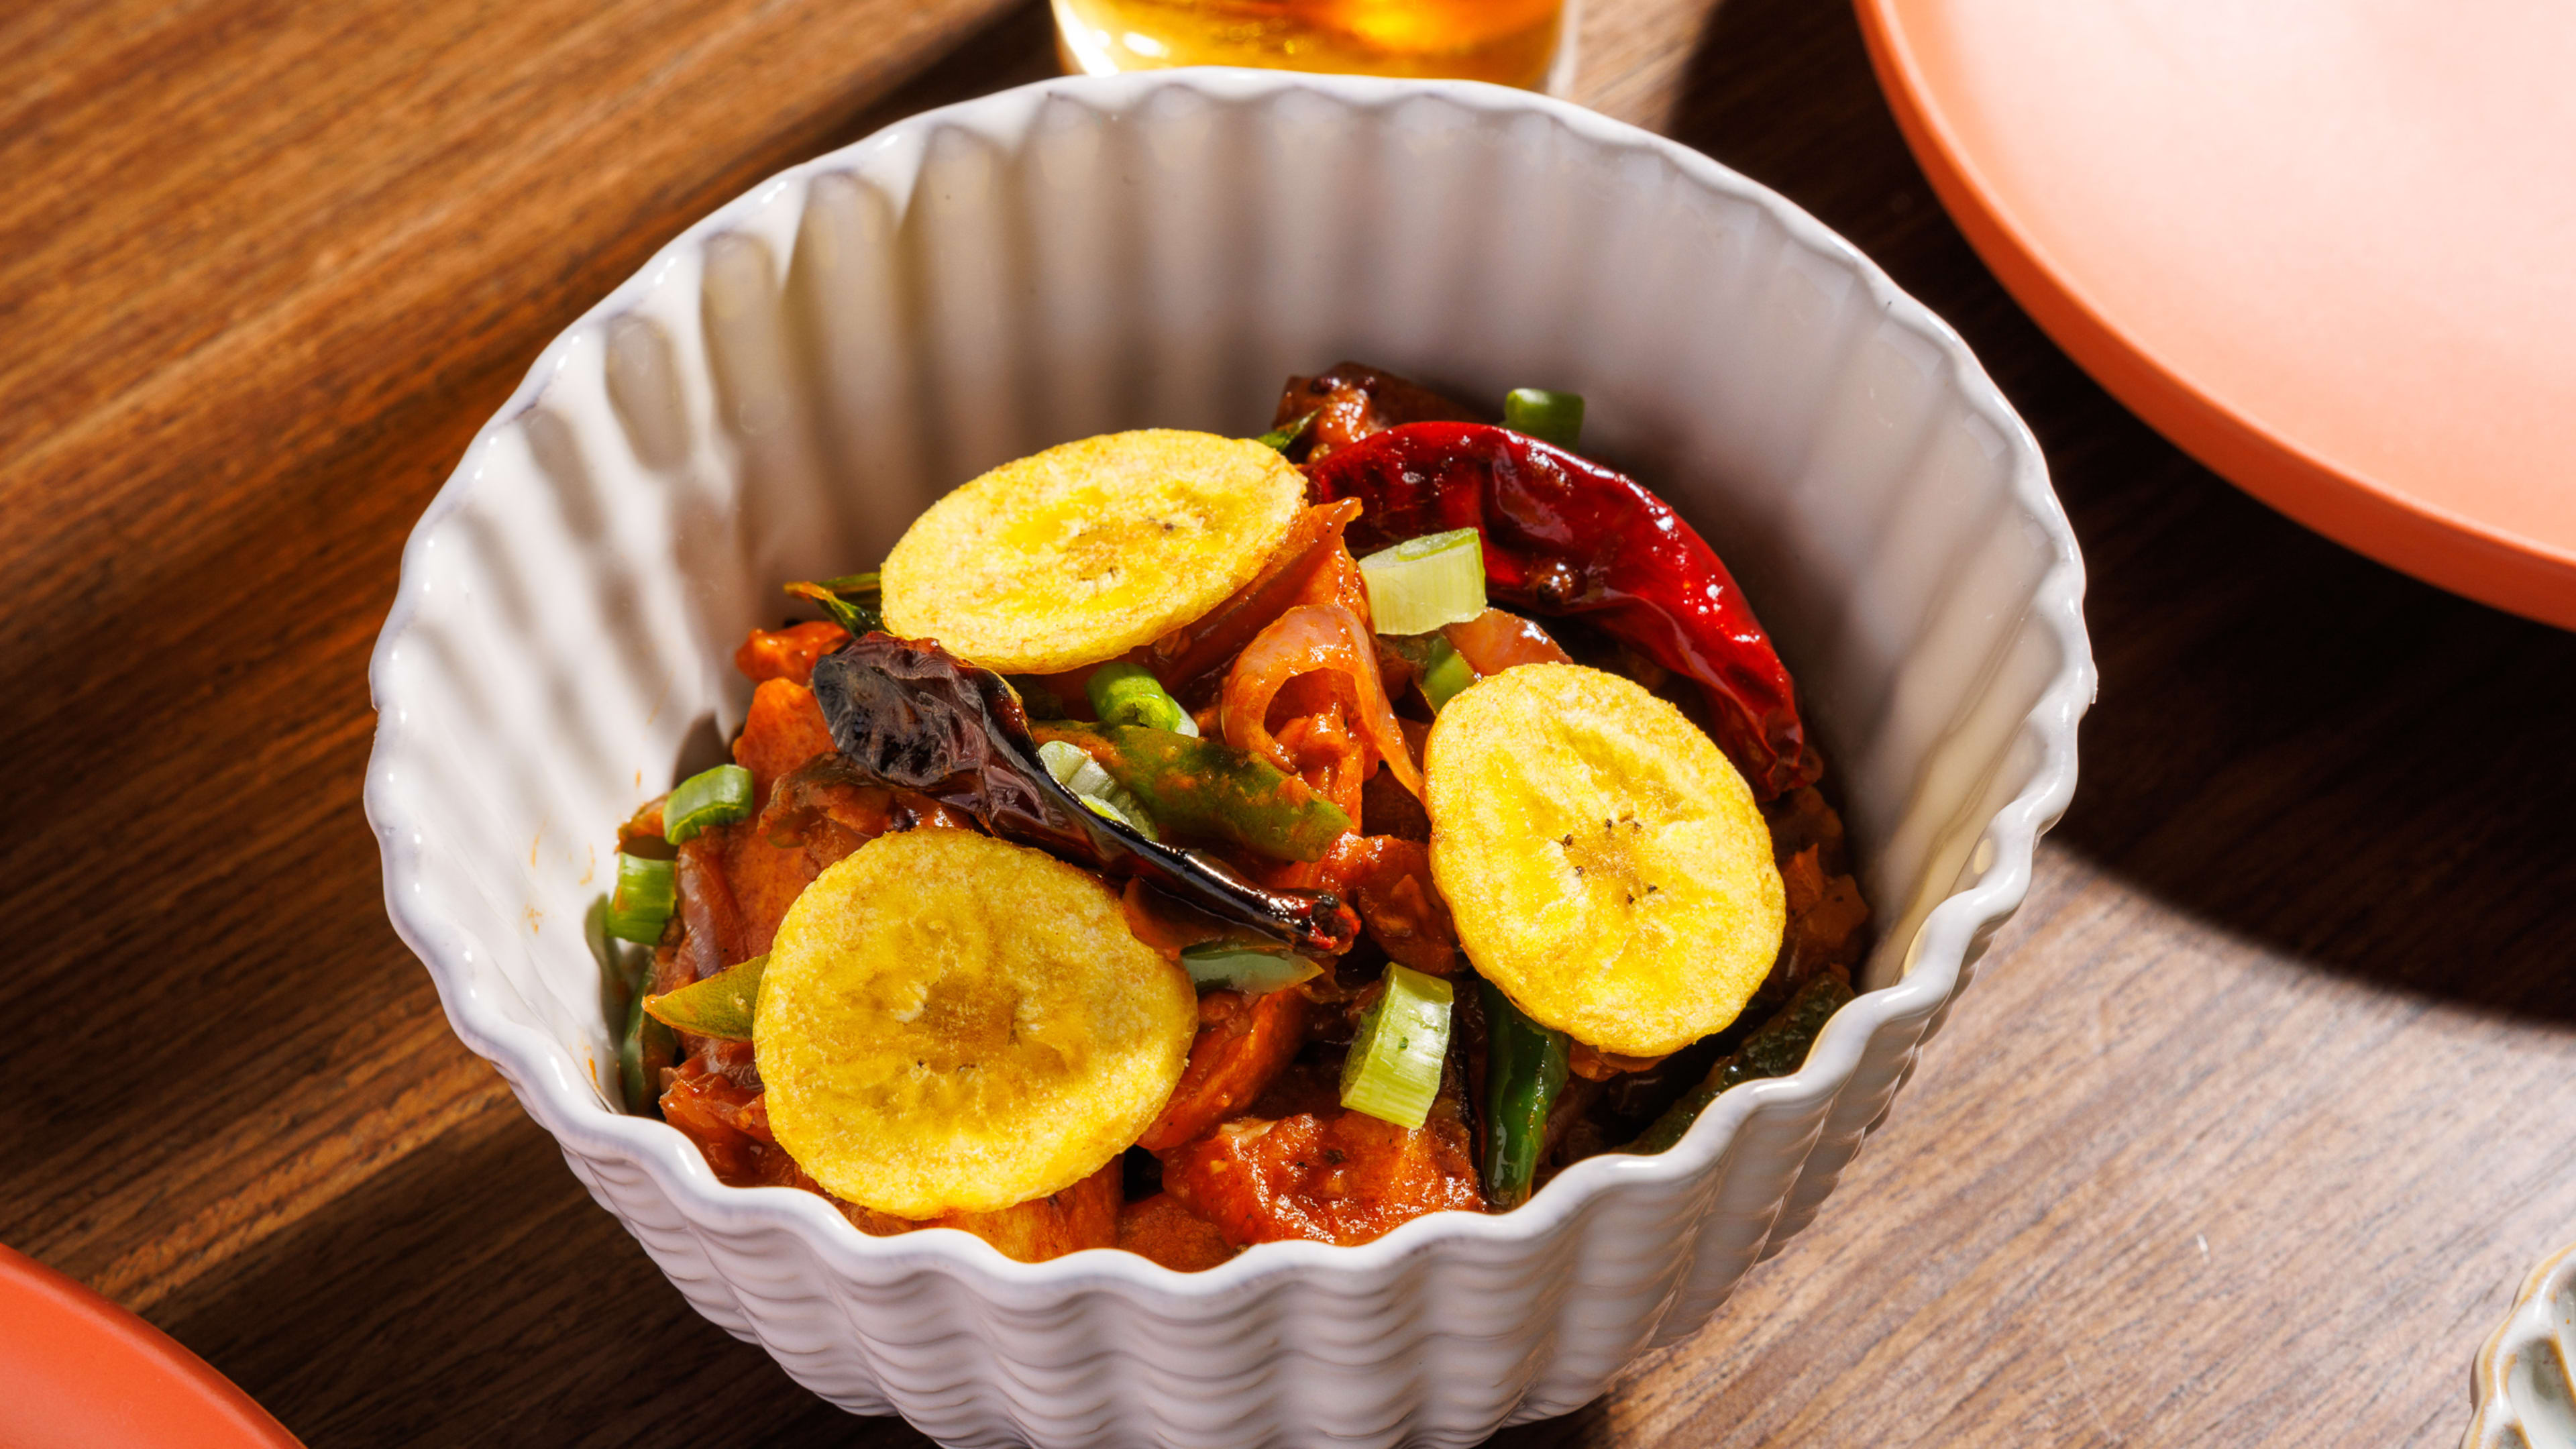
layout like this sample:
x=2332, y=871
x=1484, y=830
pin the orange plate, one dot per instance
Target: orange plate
x=82, y=1373
x=2326, y=246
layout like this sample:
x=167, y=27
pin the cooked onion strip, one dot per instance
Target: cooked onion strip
x=1326, y=641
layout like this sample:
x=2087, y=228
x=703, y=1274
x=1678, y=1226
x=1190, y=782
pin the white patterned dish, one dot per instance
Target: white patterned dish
x=788, y=383
x=2523, y=1385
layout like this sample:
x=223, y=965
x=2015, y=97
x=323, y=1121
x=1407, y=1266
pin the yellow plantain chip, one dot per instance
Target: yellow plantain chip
x=1085, y=551
x=952, y=1023
x=1604, y=861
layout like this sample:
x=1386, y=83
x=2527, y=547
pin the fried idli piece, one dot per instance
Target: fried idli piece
x=1084, y=1215
x=1083, y=552
x=1605, y=864
x=952, y=1023
x=1243, y=1043
x=788, y=653
x=782, y=731
x=1354, y=400
x=1331, y=1175
x=1162, y=1228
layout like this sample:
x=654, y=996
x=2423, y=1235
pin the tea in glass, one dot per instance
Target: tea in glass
x=1525, y=43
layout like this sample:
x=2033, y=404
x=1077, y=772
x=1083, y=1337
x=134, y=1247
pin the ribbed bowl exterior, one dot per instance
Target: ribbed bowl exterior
x=784, y=387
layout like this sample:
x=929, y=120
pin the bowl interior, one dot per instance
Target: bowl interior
x=779, y=393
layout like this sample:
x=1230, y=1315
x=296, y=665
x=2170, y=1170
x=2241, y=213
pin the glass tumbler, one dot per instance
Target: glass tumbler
x=1526, y=43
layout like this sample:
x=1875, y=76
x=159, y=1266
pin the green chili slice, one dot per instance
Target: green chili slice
x=1525, y=1070
x=1239, y=968
x=1204, y=789
x=722, y=1005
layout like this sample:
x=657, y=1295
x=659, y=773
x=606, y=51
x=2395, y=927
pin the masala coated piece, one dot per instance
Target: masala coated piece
x=1084, y=1215
x=1243, y=1044
x=1329, y=1175
x=1353, y=400
x=1163, y=1228
x=788, y=653
x=729, y=1124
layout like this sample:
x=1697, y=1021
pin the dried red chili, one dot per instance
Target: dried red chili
x=1563, y=535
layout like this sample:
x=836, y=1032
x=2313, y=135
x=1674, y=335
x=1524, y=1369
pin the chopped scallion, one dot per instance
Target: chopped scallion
x=1125, y=694
x=1423, y=583
x=1238, y=968
x=1393, y=1071
x=707, y=799
x=1550, y=417
x=1074, y=769
x=647, y=891
x=721, y=1006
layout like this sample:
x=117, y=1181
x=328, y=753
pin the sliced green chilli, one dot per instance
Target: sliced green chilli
x=722, y=1005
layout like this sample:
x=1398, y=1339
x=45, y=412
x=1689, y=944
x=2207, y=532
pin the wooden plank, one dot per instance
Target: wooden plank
x=2242, y=1137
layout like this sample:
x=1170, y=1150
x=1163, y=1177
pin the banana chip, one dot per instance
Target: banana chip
x=1605, y=863
x=1087, y=550
x=952, y=1023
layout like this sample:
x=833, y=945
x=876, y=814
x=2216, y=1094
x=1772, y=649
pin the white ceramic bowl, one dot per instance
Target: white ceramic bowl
x=2523, y=1385
x=781, y=390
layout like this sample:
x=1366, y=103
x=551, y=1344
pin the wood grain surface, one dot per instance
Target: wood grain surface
x=2242, y=1137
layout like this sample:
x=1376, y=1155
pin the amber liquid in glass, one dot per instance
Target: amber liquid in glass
x=1513, y=42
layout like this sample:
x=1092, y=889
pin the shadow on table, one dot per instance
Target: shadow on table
x=2293, y=743
x=437, y=1305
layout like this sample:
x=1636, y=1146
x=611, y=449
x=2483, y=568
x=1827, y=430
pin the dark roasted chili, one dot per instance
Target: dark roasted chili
x=909, y=715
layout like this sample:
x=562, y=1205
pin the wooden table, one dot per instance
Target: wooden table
x=2241, y=1138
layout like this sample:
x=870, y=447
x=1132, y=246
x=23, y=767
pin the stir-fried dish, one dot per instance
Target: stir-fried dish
x=1183, y=842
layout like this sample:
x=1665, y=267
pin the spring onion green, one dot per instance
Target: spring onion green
x=1550, y=417
x=1423, y=583
x=705, y=800
x=647, y=892
x=1393, y=1070
x=1074, y=769
x=1239, y=968
x=1125, y=694
x=853, y=600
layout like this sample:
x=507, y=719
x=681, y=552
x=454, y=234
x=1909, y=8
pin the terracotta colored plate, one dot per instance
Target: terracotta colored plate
x=2326, y=246
x=82, y=1373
